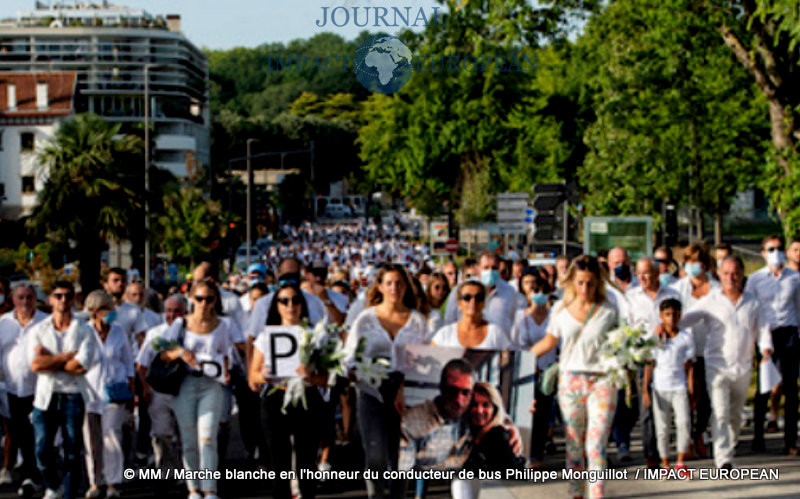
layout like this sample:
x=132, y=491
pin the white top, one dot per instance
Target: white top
x=616, y=298
x=213, y=347
x=643, y=310
x=258, y=316
x=232, y=308
x=733, y=330
x=495, y=339
x=113, y=363
x=782, y=293
x=435, y=320
x=80, y=338
x=669, y=373
x=579, y=352
x=379, y=344
x=151, y=319
x=500, y=307
x=358, y=306
x=131, y=319
x=146, y=353
x=526, y=332
x=700, y=330
x=20, y=380
x=244, y=302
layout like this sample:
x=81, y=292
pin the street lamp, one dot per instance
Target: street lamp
x=147, y=68
x=249, y=199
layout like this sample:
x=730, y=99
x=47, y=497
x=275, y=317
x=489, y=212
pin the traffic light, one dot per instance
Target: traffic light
x=548, y=205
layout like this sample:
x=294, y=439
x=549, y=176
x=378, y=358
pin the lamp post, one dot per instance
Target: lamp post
x=147, y=68
x=249, y=199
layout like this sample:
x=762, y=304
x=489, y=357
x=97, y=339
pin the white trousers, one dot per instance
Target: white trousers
x=728, y=394
x=102, y=436
x=665, y=404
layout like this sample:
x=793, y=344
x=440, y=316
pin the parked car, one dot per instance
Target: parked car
x=338, y=211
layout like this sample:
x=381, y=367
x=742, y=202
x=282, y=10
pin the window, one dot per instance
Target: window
x=27, y=184
x=12, y=97
x=26, y=142
x=41, y=95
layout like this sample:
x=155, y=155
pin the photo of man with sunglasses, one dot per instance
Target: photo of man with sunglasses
x=60, y=351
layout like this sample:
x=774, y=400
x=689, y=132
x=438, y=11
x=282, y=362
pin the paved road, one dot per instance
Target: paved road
x=787, y=486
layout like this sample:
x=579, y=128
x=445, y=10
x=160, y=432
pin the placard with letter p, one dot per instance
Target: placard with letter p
x=281, y=348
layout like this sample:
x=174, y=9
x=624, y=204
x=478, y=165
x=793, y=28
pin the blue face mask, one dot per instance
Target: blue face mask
x=272, y=288
x=664, y=280
x=110, y=317
x=693, y=269
x=489, y=277
x=539, y=299
x=623, y=273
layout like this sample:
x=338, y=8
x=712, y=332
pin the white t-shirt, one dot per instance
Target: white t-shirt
x=131, y=319
x=146, y=353
x=495, y=339
x=113, y=364
x=526, y=332
x=669, y=373
x=579, y=352
x=20, y=380
x=212, y=348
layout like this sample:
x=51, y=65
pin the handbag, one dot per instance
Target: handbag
x=167, y=377
x=549, y=377
x=118, y=392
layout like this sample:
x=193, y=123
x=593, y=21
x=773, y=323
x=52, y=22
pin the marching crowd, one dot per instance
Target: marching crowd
x=83, y=376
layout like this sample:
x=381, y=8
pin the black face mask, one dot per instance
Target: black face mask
x=623, y=273
x=293, y=277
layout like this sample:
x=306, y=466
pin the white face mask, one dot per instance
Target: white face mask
x=776, y=258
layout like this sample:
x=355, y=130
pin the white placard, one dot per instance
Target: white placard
x=281, y=348
x=768, y=376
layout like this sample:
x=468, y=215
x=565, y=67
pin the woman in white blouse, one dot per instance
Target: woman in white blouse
x=530, y=326
x=205, y=342
x=697, y=284
x=437, y=292
x=586, y=396
x=389, y=322
x=472, y=331
x=111, y=376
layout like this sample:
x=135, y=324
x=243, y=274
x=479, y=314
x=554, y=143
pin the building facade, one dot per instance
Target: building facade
x=109, y=50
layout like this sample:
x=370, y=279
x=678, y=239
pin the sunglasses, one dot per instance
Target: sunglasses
x=454, y=391
x=205, y=299
x=479, y=297
x=292, y=300
x=63, y=296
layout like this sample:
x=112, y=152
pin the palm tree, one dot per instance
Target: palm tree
x=90, y=195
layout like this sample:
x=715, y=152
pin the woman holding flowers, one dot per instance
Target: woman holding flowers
x=390, y=321
x=281, y=421
x=587, y=397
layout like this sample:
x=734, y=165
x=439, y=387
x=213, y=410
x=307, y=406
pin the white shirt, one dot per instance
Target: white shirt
x=616, y=298
x=215, y=346
x=358, y=306
x=233, y=309
x=151, y=319
x=526, y=332
x=733, y=330
x=80, y=338
x=495, y=339
x=782, y=293
x=643, y=310
x=700, y=330
x=579, y=352
x=131, y=319
x=258, y=316
x=378, y=342
x=669, y=373
x=146, y=353
x=20, y=380
x=500, y=307
x=113, y=363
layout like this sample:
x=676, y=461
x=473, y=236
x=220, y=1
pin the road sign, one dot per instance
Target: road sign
x=439, y=236
x=451, y=246
x=634, y=234
x=512, y=212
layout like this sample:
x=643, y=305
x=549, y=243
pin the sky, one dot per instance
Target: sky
x=224, y=24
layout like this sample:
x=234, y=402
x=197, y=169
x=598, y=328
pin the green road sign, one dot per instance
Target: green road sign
x=634, y=234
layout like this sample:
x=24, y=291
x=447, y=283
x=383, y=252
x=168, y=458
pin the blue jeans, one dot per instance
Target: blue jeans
x=66, y=412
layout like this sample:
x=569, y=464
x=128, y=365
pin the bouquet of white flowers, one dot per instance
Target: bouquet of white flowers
x=321, y=352
x=626, y=349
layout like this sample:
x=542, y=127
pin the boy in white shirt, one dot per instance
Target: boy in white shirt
x=671, y=372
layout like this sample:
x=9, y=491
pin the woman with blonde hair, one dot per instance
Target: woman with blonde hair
x=586, y=396
x=390, y=321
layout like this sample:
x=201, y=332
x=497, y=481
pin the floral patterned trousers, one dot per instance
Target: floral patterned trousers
x=588, y=403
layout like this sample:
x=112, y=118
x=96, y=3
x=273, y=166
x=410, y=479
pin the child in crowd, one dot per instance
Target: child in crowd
x=671, y=373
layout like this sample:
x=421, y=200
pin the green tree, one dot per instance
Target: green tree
x=677, y=119
x=90, y=194
x=191, y=223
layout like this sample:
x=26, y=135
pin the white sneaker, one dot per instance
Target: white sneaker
x=195, y=495
x=51, y=494
x=5, y=477
x=326, y=466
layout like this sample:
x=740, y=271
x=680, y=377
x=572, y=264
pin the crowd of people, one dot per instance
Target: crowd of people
x=84, y=368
